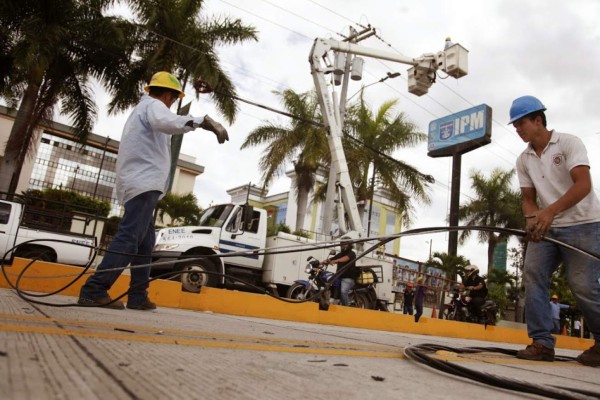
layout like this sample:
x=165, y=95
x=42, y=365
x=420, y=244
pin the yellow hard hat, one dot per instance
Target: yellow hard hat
x=554, y=297
x=166, y=80
x=420, y=279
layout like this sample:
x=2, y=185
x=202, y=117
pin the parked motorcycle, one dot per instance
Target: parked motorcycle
x=459, y=309
x=361, y=296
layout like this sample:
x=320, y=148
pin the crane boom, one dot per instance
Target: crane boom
x=452, y=60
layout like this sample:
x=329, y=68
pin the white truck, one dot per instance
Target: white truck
x=229, y=228
x=64, y=248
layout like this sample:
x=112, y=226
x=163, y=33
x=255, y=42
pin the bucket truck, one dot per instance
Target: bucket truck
x=231, y=227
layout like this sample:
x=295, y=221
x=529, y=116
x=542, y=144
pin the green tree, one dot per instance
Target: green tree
x=495, y=205
x=181, y=209
x=301, y=142
x=175, y=36
x=501, y=285
x=65, y=200
x=517, y=292
x=376, y=136
x=49, y=52
x=451, y=265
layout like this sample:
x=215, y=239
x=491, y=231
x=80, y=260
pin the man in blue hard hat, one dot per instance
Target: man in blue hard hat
x=558, y=202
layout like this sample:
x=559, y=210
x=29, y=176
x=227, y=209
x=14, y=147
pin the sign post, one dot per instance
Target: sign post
x=454, y=135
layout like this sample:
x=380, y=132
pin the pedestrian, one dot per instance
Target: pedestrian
x=408, y=299
x=577, y=328
x=349, y=275
x=143, y=166
x=555, y=308
x=558, y=202
x=419, y=298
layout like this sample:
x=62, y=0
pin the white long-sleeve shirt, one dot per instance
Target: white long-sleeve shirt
x=144, y=159
x=555, y=309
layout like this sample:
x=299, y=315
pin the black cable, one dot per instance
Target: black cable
x=266, y=251
x=418, y=353
x=415, y=353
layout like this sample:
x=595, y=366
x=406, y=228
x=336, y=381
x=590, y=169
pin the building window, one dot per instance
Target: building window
x=60, y=165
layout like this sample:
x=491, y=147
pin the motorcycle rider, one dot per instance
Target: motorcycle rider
x=348, y=277
x=477, y=288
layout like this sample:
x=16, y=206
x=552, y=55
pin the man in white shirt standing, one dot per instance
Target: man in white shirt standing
x=555, y=308
x=558, y=202
x=143, y=166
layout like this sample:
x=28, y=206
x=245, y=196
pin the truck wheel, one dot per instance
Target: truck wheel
x=38, y=254
x=298, y=292
x=361, y=301
x=192, y=277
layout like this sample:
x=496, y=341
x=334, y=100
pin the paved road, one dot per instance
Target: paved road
x=74, y=353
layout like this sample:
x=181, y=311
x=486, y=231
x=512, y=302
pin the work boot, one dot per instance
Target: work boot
x=590, y=357
x=105, y=302
x=536, y=352
x=211, y=125
x=145, y=306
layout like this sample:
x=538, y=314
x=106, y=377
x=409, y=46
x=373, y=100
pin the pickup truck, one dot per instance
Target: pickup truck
x=49, y=246
x=229, y=228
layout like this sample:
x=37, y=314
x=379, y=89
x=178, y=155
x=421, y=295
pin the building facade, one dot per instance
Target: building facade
x=58, y=161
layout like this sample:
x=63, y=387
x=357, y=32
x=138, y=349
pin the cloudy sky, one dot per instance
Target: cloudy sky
x=545, y=48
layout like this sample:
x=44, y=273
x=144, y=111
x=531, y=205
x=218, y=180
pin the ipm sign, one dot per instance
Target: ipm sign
x=460, y=132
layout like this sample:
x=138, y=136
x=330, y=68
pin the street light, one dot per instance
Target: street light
x=75, y=178
x=430, y=244
x=390, y=75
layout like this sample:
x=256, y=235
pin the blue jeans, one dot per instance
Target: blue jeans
x=134, y=236
x=346, y=285
x=583, y=275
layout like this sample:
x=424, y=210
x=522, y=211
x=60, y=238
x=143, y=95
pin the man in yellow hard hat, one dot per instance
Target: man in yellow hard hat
x=419, y=298
x=555, y=306
x=143, y=166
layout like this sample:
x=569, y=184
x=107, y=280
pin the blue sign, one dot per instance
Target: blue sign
x=460, y=132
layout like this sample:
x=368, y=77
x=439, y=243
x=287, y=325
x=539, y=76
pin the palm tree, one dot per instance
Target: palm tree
x=501, y=278
x=373, y=138
x=302, y=143
x=495, y=205
x=174, y=36
x=182, y=209
x=49, y=53
x=450, y=264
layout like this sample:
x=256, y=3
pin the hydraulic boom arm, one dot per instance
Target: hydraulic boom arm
x=452, y=60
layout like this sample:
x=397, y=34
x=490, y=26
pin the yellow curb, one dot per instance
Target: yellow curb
x=168, y=294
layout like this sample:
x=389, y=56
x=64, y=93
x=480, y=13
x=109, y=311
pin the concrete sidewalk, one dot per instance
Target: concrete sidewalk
x=74, y=353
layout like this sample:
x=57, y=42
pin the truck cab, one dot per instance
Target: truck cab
x=201, y=255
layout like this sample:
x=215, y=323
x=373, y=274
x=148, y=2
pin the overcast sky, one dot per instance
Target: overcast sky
x=545, y=48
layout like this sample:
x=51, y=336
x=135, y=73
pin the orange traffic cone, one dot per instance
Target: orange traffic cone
x=434, y=312
x=564, y=330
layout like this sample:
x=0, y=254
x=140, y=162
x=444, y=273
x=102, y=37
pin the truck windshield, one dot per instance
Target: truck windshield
x=215, y=216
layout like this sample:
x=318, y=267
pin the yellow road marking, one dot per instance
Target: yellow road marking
x=161, y=339
x=192, y=334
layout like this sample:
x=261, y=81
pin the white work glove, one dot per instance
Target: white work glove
x=210, y=124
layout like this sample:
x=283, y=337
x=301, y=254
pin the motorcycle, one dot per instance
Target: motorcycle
x=460, y=308
x=315, y=287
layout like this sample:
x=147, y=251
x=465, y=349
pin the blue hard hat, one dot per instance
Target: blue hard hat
x=524, y=105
